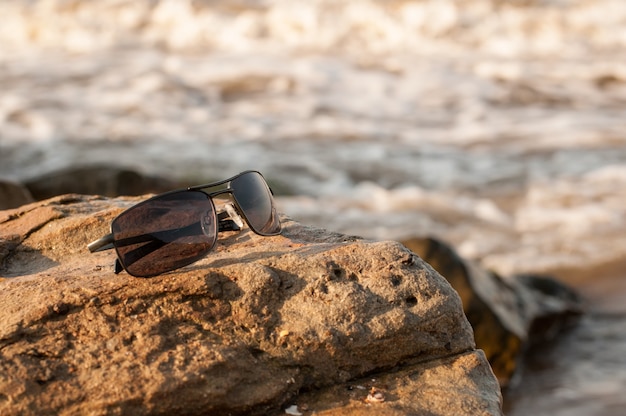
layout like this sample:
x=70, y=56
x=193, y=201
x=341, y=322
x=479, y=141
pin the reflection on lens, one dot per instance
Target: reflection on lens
x=255, y=200
x=165, y=233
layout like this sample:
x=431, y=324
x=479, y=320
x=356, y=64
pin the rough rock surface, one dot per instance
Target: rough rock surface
x=244, y=330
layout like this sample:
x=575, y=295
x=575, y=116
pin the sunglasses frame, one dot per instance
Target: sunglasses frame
x=223, y=224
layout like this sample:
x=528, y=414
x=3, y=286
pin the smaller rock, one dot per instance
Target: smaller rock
x=375, y=396
x=97, y=180
x=508, y=315
x=13, y=195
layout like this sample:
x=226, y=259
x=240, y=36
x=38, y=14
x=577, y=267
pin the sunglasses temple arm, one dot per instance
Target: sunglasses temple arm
x=104, y=243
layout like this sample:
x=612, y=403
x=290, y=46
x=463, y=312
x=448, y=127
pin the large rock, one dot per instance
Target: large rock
x=242, y=331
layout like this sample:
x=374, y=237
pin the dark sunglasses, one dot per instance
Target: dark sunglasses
x=177, y=228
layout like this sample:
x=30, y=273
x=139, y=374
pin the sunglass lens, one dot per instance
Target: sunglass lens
x=255, y=200
x=165, y=233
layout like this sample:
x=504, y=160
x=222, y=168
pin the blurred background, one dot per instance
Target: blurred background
x=498, y=126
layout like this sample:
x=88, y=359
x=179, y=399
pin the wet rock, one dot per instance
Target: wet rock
x=13, y=195
x=96, y=180
x=508, y=315
x=242, y=331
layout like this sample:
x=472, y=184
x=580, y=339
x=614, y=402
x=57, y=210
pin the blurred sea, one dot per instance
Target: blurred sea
x=496, y=125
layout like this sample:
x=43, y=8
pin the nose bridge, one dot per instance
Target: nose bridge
x=223, y=198
x=228, y=190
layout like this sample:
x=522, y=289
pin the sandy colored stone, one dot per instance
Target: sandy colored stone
x=445, y=386
x=243, y=331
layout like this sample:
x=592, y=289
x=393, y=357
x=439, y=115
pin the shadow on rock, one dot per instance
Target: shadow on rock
x=22, y=261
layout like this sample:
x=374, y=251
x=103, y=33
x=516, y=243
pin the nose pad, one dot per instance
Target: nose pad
x=207, y=223
x=232, y=213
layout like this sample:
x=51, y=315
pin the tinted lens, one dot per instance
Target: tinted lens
x=165, y=232
x=255, y=200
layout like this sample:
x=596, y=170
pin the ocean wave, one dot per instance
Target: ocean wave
x=501, y=28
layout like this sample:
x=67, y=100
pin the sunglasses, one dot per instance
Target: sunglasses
x=177, y=228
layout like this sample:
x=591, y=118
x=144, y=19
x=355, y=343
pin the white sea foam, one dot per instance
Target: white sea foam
x=496, y=125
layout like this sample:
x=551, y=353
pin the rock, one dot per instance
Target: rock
x=96, y=180
x=242, y=331
x=13, y=195
x=426, y=389
x=508, y=314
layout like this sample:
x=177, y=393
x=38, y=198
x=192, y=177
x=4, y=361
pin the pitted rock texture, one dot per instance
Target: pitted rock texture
x=242, y=331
